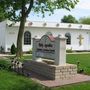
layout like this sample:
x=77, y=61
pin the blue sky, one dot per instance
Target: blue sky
x=82, y=9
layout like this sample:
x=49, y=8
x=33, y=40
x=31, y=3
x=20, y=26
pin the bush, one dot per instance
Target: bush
x=79, y=70
x=1, y=49
x=13, y=49
x=4, y=64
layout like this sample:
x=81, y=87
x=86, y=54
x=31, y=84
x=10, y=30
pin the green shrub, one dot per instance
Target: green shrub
x=13, y=49
x=1, y=49
x=4, y=64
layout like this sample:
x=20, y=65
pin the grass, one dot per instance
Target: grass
x=29, y=57
x=10, y=80
x=13, y=81
x=84, y=60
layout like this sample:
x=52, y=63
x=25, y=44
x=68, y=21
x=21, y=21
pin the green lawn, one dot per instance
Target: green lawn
x=12, y=81
x=84, y=60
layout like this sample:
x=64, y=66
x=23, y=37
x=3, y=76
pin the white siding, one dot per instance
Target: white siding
x=12, y=32
x=74, y=35
x=11, y=37
x=2, y=33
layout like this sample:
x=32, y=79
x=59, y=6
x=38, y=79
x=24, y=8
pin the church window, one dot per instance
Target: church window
x=68, y=36
x=27, y=38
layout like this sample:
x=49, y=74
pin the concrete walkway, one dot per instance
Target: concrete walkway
x=76, y=79
x=5, y=55
x=79, y=53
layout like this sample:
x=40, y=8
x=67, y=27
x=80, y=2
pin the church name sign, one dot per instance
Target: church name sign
x=49, y=47
x=45, y=47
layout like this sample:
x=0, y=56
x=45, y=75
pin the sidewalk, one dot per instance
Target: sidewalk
x=79, y=53
x=5, y=55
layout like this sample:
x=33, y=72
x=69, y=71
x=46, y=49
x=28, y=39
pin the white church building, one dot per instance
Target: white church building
x=78, y=35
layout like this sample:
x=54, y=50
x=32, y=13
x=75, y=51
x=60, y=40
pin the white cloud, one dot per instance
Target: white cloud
x=83, y=4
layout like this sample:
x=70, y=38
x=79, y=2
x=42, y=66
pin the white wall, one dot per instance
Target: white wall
x=11, y=36
x=74, y=35
x=75, y=42
x=2, y=33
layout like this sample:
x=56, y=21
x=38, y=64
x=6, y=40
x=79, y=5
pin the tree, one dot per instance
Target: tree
x=24, y=7
x=69, y=19
x=84, y=20
x=2, y=12
x=2, y=15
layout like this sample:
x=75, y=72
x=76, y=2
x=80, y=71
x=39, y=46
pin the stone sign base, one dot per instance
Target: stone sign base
x=52, y=71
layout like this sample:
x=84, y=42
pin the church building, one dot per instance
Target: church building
x=78, y=35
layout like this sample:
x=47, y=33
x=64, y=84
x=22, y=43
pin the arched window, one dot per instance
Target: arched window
x=68, y=36
x=27, y=38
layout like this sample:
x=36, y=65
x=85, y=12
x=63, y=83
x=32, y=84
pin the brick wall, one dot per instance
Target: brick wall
x=52, y=71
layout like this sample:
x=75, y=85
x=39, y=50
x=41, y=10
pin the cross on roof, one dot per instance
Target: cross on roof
x=80, y=39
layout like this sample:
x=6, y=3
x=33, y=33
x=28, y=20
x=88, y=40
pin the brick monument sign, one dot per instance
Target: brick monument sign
x=49, y=58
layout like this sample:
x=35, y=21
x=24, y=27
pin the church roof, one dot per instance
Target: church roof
x=50, y=25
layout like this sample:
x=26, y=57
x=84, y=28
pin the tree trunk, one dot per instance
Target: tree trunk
x=20, y=36
x=24, y=14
